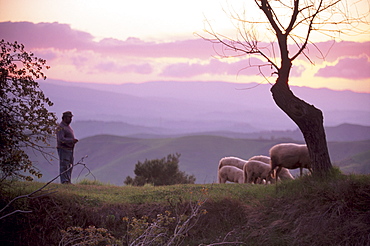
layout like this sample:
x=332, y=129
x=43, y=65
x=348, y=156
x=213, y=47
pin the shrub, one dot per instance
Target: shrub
x=163, y=171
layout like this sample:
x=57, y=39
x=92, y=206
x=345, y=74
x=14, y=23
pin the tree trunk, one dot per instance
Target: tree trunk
x=309, y=119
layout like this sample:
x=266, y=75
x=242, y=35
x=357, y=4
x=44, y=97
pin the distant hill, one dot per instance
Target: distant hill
x=189, y=107
x=119, y=125
x=348, y=132
x=359, y=163
x=343, y=132
x=91, y=128
x=112, y=158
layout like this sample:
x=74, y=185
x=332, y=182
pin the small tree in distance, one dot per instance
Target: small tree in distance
x=157, y=172
x=288, y=25
x=25, y=122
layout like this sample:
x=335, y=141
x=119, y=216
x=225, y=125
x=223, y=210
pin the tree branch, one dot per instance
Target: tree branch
x=30, y=195
x=248, y=46
x=267, y=10
x=294, y=17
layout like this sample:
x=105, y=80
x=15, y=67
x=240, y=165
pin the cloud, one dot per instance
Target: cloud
x=297, y=71
x=63, y=37
x=348, y=68
x=335, y=50
x=331, y=51
x=45, y=35
x=115, y=68
x=251, y=66
x=47, y=54
x=64, y=47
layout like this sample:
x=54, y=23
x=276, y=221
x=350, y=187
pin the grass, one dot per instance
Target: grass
x=305, y=211
x=110, y=194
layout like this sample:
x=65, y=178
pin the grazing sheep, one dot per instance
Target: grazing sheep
x=262, y=158
x=230, y=173
x=284, y=173
x=257, y=170
x=291, y=156
x=232, y=161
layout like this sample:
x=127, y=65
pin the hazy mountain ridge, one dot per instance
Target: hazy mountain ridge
x=185, y=107
x=343, y=132
x=242, y=93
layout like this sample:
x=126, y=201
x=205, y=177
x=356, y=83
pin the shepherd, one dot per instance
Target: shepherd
x=65, y=144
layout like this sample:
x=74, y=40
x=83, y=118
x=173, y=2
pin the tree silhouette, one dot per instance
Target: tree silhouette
x=289, y=21
x=25, y=122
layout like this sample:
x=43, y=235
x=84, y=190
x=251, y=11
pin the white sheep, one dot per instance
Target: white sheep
x=284, y=173
x=257, y=170
x=291, y=156
x=231, y=161
x=262, y=158
x=230, y=173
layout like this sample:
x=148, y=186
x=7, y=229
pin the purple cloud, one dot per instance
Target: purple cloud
x=116, y=68
x=52, y=40
x=348, y=68
x=63, y=37
x=251, y=66
x=331, y=50
x=45, y=35
x=46, y=54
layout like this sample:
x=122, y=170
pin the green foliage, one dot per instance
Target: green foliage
x=163, y=171
x=25, y=121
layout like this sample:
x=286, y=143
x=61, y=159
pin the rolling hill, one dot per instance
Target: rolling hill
x=112, y=158
x=119, y=125
x=83, y=129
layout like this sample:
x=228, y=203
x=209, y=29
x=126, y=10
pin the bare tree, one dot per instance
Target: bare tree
x=290, y=22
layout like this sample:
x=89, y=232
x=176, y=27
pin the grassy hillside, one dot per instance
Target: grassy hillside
x=359, y=162
x=111, y=158
x=304, y=211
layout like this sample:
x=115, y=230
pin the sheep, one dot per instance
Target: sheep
x=284, y=173
x=291, y=156
x=230, y=173
x=231, y=161
x=255, y=170
x=262, y=158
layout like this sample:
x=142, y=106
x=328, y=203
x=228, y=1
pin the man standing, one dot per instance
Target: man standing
x=65, y=144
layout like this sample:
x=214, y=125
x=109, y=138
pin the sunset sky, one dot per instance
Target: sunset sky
x=143, y=40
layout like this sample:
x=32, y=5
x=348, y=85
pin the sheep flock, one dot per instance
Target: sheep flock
x=262, y=169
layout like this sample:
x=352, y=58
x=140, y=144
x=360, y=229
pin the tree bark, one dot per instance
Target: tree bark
x=310, y=121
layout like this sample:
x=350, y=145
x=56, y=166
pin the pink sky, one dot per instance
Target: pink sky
x=76, y=55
